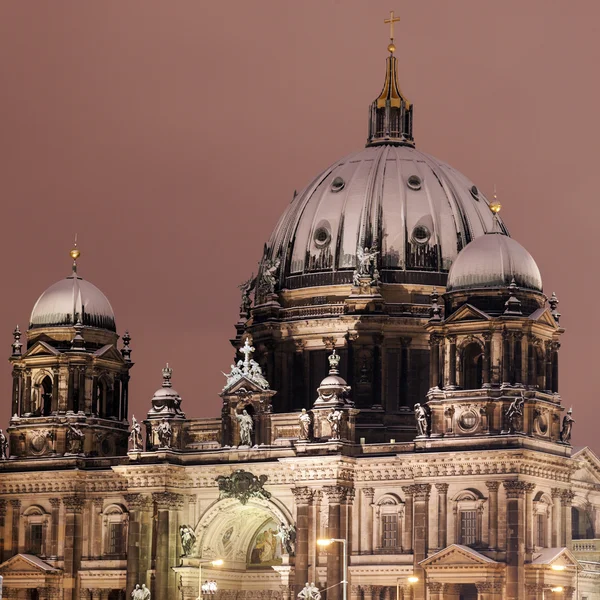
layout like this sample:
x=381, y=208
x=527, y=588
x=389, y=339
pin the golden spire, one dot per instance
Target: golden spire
x=495, y=206
x=75, y=254
x=391, y=21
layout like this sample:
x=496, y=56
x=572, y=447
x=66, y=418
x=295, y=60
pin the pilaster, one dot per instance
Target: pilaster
x=515, y=539
x=303, y=497
x=493, y=487
x=442, y=490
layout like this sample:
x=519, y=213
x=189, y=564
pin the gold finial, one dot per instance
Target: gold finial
x=495, y=206
x=75, y=254
x=391, y=21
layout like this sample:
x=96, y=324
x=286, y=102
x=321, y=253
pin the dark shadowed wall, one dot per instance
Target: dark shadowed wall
x=171, y=135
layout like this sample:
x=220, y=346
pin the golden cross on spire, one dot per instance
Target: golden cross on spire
x=391, y=21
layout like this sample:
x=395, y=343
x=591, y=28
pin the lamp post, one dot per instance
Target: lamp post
x=411, y=579
x=563, y=568
x=214, y=563
x=345, y=561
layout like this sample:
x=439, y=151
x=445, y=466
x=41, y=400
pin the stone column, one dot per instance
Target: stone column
x=442, y=489
x=565, y=519
x=407, y=534
x=421, y=528
x=486, y=361
x=96, y=525
x=556, y=517
x=84, y=594
x=531, y=379
x=3, y=553
x=96, y=593
x=493, y=487
x=436, y=590
x=515, y=539
x=73, y=542
x=489, y=590
x=518, y=357
x=506, y=357
x=54, y=520
x=529, y=489
x=139, y=540
x=367, y=520
x=16, y=519
x=452, y=361
x=335, y=496
x=346, y=518
x=303, y=497
x=167, y=538
x=49, y=592
x=548, y=349
x=434, y=347
x=555, y=347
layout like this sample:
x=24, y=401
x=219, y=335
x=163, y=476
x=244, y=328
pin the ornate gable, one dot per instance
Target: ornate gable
x=544, y=316
x=109, y=352
x=26, y=563
x=41, y=348
x=467, y=312
x=456, y=555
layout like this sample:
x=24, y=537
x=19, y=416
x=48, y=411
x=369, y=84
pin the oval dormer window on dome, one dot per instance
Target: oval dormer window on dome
x=474, y=192
x=338, y=184
x=421, y=235
x=414, y=182
x=322, y=237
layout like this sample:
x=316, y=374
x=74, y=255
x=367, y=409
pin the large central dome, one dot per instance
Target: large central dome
x=417, y=211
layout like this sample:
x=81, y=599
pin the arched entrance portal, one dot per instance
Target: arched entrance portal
x=244, y=536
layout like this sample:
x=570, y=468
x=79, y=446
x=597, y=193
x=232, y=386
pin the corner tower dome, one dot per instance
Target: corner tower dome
x=415, y=211
x=73, y=300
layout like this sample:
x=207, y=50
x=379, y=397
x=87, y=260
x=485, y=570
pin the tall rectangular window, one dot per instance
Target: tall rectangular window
x=541, y=530
x=36, y=533
x=389, y=526
x=116, y=542
x=468, y=527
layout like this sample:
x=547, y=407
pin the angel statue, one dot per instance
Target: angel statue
x=366, y=261
x=165, y=433
x=268, y=278
x=188, y=539
x=514, y=413
x=287, y=536
x=246, y=289
x=135, y=434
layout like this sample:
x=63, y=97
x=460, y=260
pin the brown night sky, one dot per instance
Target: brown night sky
x=170, y=135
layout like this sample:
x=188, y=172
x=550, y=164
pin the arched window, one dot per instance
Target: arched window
x=472, y=357
x=468, y=517
x=582, y=524
x=115, y=520
x=36, y=521
x=542, y=510
x=46, y=391
x=389, y=514
x=104, y=397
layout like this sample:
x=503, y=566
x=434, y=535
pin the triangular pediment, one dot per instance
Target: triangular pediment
x=41, y=349
x=467, y=312
x=590, y=466
x=457, y=555
x=555, y=557
x=26, y=563
x=109, y=352
x=544, y=316
x=243, y=384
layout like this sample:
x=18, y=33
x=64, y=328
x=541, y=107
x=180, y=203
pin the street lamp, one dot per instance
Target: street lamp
x=412, y=580
x=215, y=563
x=345, y=559
x=563, y=568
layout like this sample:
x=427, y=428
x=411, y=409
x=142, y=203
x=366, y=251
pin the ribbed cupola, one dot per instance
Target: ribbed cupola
x=391, y=114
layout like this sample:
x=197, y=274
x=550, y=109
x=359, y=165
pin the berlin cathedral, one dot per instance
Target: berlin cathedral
x=391, y=425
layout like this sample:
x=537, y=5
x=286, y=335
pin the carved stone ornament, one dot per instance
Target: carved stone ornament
x=247, y=368
x=242, y=485
x=188, y=539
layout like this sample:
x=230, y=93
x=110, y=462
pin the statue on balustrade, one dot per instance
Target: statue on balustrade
x=567, y=426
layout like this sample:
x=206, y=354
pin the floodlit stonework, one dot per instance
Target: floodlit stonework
x=395, y=386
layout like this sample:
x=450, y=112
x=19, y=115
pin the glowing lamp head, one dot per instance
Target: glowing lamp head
x=324, y=542
x=556, y=589
x=413, y=579
x=558, y=567
x=217, y=563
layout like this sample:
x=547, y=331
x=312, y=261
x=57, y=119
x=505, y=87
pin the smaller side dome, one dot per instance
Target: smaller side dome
x=492, y=261
x=71, y=300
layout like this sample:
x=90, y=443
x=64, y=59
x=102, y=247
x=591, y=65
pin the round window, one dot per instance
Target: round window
x=468, y=420
x=337, y=184
x=322, y=237
x=414, y=182
x=421, y=234
x=475, y=192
